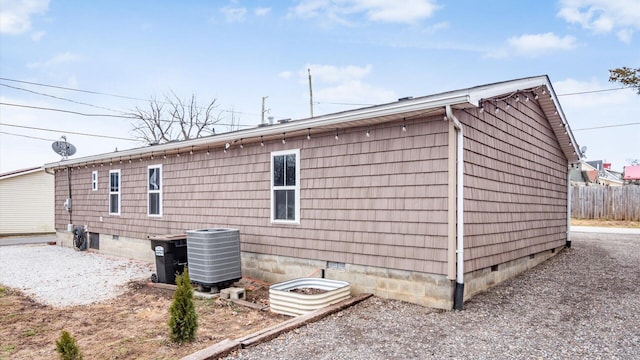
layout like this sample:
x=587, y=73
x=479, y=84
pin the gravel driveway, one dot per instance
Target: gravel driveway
x=582, y=304
x=61, y=277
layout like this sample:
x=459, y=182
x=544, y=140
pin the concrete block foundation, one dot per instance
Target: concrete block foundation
x=431, y=290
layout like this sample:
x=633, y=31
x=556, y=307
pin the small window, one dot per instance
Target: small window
x=154, y=190
x=114, y=192
x=94, y=180
x=285, y=186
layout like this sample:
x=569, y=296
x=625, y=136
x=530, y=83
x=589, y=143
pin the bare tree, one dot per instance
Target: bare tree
x=174, y=119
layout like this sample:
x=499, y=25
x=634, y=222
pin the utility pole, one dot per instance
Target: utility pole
x=310, y=93
x=263, y=110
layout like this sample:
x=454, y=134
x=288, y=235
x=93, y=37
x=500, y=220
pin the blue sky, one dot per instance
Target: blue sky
x=359, y=52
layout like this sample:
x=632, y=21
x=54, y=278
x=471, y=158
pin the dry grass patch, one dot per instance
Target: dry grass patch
x=606, y=223
x=131, y=326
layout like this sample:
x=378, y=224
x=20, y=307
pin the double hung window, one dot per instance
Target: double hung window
x=94, y=180
x=285, y=186
x=114, y=192
x=154, y=190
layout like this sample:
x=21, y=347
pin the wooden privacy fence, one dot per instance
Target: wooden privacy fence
x=604, y=202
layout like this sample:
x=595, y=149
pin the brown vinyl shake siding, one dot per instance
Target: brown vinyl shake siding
x=378, y=201
x=515, y=185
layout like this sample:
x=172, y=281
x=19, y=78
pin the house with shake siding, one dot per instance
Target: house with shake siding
x=429, y=200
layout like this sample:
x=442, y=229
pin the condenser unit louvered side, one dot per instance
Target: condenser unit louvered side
x=214, y=256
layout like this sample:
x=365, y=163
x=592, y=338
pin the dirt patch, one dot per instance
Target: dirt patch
x=131, y=326
x=606, y=223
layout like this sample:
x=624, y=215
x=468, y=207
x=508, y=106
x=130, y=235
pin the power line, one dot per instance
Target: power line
x=592, y=91
x=61, y=98
x=72, y=89
x=130, y=117
x=607, y=126
x=68, y=132
x=25, y=136
x=105, y=94
x=65, y=111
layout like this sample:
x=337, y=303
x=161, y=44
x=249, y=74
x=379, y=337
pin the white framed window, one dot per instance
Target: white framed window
x=285, y=186
x=154, y=190
x=94, y=180
x=114, y=192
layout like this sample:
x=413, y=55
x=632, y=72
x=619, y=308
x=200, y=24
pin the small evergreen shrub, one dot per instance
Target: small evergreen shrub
x=184, y=320
x=67, y=347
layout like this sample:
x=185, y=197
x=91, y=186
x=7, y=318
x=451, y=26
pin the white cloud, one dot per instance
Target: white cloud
x=62, y=58
x=15, y=15
x=71, y=82
x=534, y=45
x=261, y=11
x=36, y=36
x=589, y=94
x=603, y=16
x=432, y=29
x=234, y=14
x=285, y=74
x=625, y=35
x=355, y=91
x=390, y=11
x=344, y=84
x=335, y=74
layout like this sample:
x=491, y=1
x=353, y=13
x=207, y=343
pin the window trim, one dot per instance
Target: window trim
x=119, y=192
x=159, y=192
x=94, y=180
x=295, y=152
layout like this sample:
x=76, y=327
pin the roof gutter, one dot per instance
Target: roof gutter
x=458, y=297
x=391, y=110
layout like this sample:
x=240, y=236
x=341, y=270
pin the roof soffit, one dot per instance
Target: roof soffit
x=406, y=108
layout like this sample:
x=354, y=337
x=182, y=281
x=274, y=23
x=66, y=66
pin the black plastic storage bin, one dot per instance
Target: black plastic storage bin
x=171, y=257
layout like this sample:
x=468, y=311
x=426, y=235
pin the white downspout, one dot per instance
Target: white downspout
x=458, y=297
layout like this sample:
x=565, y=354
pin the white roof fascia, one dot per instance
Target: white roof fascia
x=20, y=173
x=476, y=94
x=563, y=119
x=471, y=96
x=395, y=108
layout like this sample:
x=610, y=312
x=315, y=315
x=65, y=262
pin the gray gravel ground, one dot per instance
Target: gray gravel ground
x=61, y=277
x=582, y=304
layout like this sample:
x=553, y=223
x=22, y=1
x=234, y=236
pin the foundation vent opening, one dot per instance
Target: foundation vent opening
x=494, y=268
x=335, y=265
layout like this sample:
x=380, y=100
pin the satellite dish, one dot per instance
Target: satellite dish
x=583, y=151
x=63, y=148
